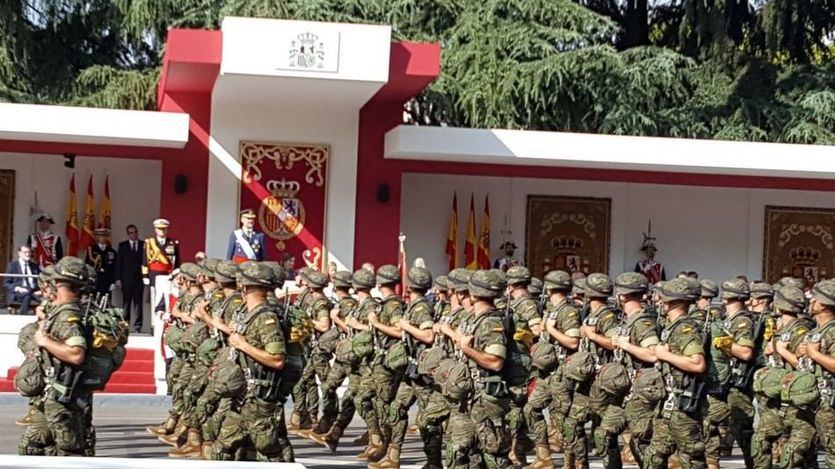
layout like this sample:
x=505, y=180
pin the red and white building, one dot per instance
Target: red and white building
x=287, y=91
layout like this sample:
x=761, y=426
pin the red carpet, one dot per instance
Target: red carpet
x=136, y=375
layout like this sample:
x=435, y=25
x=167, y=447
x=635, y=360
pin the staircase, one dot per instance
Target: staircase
x=135, y=376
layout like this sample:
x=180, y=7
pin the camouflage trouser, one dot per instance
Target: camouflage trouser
x=364, y=401
x=679, y=432
x=800, y=450
x=431, y=425
x=516, y=415
x=59, y=429
x=347, y=405
x=407, y=393
x=255, y=425
x=386, y=385
x=574, y=429
x=639, y=418
x=193, y=390
x=611, y=422
x=769, y=429
x=480, y=437
x=715, y=424
x=306, y=391
x=336, y=376
x=551, y=392
x=741, y=406
x=825, y=426
x=178, y=402
x=172, y=371
x=213, y=420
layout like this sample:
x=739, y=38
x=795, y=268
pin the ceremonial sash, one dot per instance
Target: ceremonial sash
x=45, y=256
x=244, y=244
x=157, y=260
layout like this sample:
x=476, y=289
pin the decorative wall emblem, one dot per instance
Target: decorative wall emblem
x=307, y=51
x=799, y=242
x=567, y=233
x=288, y=186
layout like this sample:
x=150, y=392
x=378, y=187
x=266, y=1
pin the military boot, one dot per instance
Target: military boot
x=673, y=462
x=295, y=420
x=207, y=450
x=569, y=461
x=376, y=448
x=192, y=449
x=330, y=439
x=516, y=455
x=321, y=428
x=626, y=455
x=165, y=428
x=555, y=440
x=412, y=430
x=361, y=440
x=176, y=438
x=543, y=458
x=391, y=461
x=27, y=419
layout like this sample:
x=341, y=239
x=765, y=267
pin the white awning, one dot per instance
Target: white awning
x=533, y=148
x=64, y=124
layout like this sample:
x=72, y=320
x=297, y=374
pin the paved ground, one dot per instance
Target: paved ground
x=120, y=425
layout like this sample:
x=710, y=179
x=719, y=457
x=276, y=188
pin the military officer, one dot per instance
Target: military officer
x=102, y=257
x=259, y=339
x=160, y=258
x=478, y=432
x=58, y=427
x=246, y=244
x=46, y=245
x=678, y=428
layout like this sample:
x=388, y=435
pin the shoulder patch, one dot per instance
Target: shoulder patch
x=801, y=331
x=608, y=315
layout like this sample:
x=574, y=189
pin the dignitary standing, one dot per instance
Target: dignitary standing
x=161, y=257
x=102, y=257
x=129, y=276
x=46, y=245
x=245, y=244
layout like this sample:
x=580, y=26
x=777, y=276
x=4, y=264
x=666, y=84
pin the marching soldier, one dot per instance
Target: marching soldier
x=59, y=425
x=246, y=244
x=102, y=257
x=46, y=245
x=681, y=354
x=562, y=331
x=259, y=342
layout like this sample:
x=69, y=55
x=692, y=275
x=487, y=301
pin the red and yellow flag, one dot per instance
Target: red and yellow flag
x=104, y=210
x=484, y=237
x=471, y=245
x=89, y=223
x=452, y=235
x=71, y=226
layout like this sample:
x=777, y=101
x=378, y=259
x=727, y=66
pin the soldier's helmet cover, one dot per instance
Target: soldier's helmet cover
x=442, y=283
x=761, y=290
x=598, y=286
x=419, y=278
x=363, y=279
x=315, y=278
x=71, y=270
x=256, y=274
x=388, y=274
x=487, y=284
x=824, y=292
x=535, y=287
x=190, y=271
x=557, y=280
x=460, y=279
x=226, y=271
x=710, y=289
x=789, y=299
x=278, y=271
x=518, y=275
x=680, y=289
x=736, y=289
x=342, y=279
x=631, y=282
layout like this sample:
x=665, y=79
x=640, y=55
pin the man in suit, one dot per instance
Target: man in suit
x=102, y=257
x=129, y=276
x=20, y=289
x=161, y=257
x=46, y=245
x=246, y=244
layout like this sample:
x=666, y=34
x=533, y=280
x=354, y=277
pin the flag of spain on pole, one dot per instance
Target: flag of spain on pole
x=71, y=226
x=471, y=246
x=484, y=237
x=89, y=223
x=452, y=235
x=104, y=210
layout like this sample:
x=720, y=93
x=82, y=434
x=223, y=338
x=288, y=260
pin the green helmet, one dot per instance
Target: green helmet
x=315, y=279
x=71, y=270
x=557, y=280
x=709, y=288
x=824, y=292
x=598, y=286
x=342, y=279
x=761, y=290
x=518, y=275
x=535, y=287
x=363, y=279
x=278, y=271
x=225, y=272
x=736, y=289
x=190, y=271
x=46, y=276
x=442, y=283
x=486, y=284
x=578, y=287
x=631, y=282
x=208, y=266
x=388, y=274
x=419, y=278
x=789, y=299
x=793, y=281
x=679, y=289
x=459, y=279
x=256, y=274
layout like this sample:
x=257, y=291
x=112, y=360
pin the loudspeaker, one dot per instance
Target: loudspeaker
x=180, y=184
x=383, y=193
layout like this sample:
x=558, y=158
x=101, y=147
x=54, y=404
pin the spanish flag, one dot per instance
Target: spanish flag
x=471, y=246
x=89, y=223
x=484, y=237
x=452, y=235
x=71, y=226
x=104, y=210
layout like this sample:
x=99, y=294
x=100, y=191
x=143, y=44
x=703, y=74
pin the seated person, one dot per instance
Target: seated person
x=22, y=286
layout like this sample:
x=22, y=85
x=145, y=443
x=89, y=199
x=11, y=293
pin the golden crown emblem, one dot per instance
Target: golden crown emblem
x=567, y=244
x=805, y=255
x=283, y=188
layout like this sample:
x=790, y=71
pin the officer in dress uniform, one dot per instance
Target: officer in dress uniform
x=246, y=244
x=46, y=245
x=161, y=257
x=102, y=257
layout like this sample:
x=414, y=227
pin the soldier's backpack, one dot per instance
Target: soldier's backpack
x=517, y=365
x=800, y=388
x=26, y=338
x=227, y=375
x=295, y=324
x=29, y=380
x=768, y=381
x=430, y=359
x=396, y=357
x=745, y=375
x=207, y=351
x=544, y=356
x=362, y=344
x=344, y=352
x=613, y=379
x=455, y=380
x=173, y=334
x=718, y=375
x=580, y=367
x=328, y=340
x=107, y=333
x=649, y=386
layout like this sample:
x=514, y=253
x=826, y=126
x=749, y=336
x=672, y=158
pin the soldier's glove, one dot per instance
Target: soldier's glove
x=524, y=336
x=723, y=343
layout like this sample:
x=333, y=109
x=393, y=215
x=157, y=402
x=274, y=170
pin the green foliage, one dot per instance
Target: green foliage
x=726, y=69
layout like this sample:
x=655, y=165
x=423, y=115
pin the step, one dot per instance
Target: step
x=139, y=354
x=132, y=377
x=11, y=373
x=144, y=366
x=7, y=385
x=124, y=388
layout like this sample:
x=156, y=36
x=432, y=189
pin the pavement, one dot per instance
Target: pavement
x=120, y=422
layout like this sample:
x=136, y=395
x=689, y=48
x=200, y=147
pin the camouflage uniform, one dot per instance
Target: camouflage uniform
x=678, y=429
x=824, y=293
x=302, y=408
x=60, y=424
x=477, y=434
x=252, y=419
